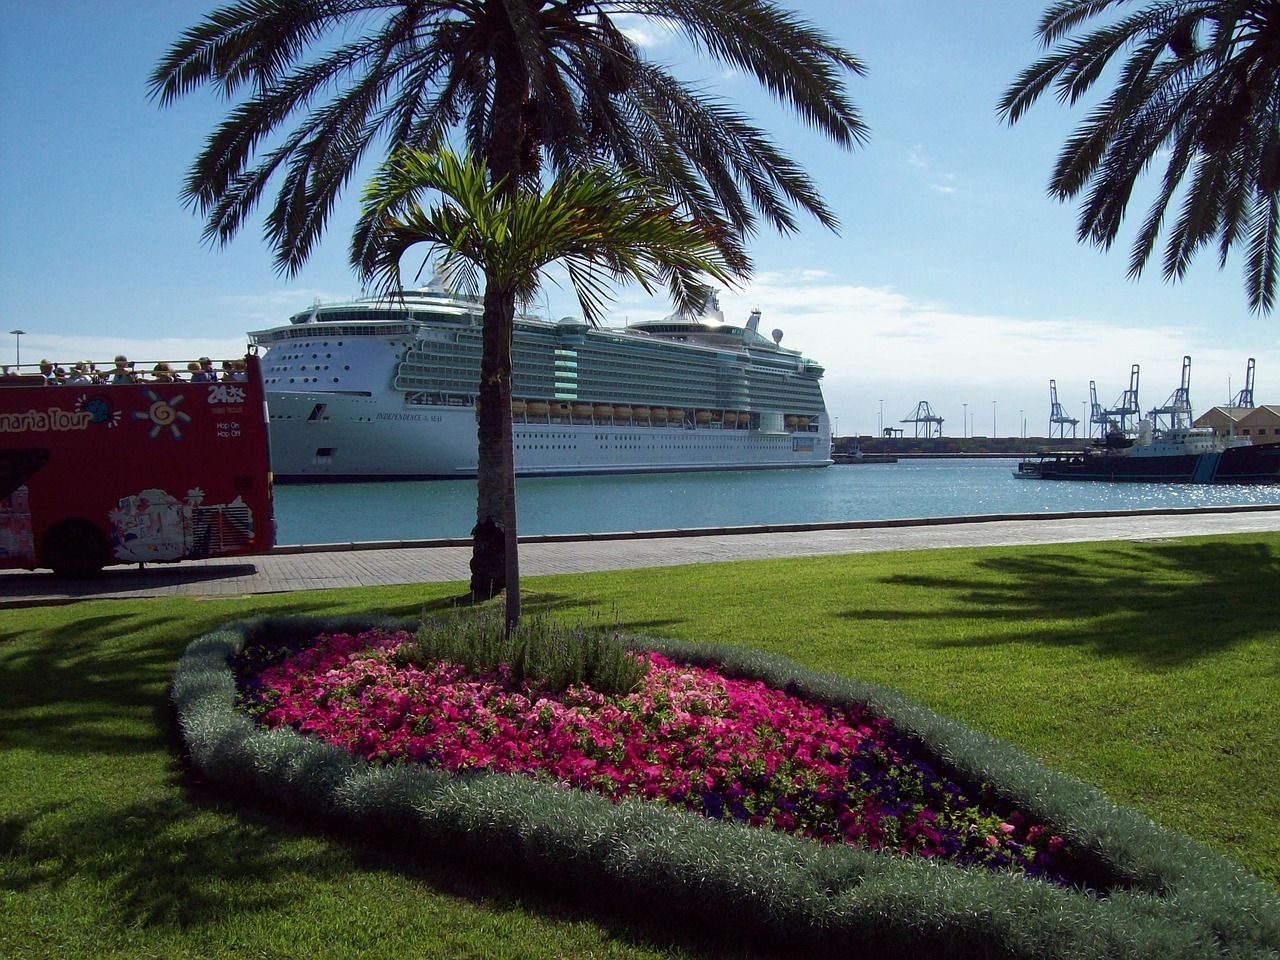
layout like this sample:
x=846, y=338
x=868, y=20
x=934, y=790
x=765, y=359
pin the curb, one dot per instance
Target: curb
x=289, y=549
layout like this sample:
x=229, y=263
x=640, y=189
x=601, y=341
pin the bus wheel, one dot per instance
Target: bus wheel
x=75, y=548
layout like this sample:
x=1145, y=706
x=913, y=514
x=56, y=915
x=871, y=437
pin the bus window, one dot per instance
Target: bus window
x=17, y=465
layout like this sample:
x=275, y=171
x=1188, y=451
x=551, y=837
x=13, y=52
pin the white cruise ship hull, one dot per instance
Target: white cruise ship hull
x=328, y=437
x=385, y=388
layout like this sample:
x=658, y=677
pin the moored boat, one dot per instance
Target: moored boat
x=385, y=388
x=1177, y=455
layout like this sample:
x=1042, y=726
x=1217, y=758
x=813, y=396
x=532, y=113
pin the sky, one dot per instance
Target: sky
x=954, y=279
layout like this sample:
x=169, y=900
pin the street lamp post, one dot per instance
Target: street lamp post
x=880, y=421
x=993, y=419
x=964, y=423
x=17, y=347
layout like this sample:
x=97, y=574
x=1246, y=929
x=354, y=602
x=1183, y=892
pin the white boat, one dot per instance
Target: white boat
x=385, y=389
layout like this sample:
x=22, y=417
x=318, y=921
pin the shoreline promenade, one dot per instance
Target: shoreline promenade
x=328, y=566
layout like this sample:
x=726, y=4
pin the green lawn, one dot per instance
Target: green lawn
x=1150, y=670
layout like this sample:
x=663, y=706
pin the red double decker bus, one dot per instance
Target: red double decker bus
x=133, y=471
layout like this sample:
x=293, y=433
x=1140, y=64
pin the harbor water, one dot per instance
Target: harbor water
x=352, y=512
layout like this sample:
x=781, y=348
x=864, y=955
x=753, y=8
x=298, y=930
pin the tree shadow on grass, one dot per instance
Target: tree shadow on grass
x=90, y=685
x=193, y=859
x=1160, y=605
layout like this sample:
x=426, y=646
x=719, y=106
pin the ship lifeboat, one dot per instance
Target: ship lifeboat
x=560, y=410
x=603, y=411
x=539, y=408
x=731, y=418
x=582, y=410
x=659, y=414
x=640, y=413
x=791, y=420
x=702, y=416
x=519, y=408
x=675, y=415
x=802, y=423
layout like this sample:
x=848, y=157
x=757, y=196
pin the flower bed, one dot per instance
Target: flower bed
x=724, y=748
x=1169, y=896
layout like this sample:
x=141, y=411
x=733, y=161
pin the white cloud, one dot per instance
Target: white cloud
x=644, y=31
x=876, y=343
x=879, y=344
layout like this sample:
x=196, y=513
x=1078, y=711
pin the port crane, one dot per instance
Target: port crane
x=1177, y=409
x=1057, y=417
x=1121, y=415
x=1245, y=397
x=1097, y=416
x=924, y=418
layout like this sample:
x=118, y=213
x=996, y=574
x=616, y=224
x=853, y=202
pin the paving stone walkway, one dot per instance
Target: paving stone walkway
x=350, y=565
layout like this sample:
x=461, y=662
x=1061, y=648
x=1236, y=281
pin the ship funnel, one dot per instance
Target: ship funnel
x=753, y=323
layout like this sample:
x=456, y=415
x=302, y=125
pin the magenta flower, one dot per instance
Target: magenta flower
x=723, y=748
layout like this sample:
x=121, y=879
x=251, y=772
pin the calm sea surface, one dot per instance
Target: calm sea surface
x=339, y=513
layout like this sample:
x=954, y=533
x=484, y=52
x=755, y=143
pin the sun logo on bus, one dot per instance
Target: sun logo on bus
x=162, y=413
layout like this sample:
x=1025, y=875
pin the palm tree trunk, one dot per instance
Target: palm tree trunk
x=494, y=560
x=496, y=479
x=488, y=548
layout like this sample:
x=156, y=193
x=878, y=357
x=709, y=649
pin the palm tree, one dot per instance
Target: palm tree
x=603, y=226
x=525, y=84
x=1198, y=92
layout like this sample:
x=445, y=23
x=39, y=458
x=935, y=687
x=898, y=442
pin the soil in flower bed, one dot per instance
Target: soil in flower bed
x=724, y=748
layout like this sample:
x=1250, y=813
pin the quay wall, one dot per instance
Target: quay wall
x=907, y=447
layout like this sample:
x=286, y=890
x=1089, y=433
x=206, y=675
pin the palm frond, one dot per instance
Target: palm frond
x=606, y=228
x=1264, y=244
x=1197, y=90
x=363, y=73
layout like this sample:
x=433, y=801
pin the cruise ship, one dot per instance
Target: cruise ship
x=384, y=388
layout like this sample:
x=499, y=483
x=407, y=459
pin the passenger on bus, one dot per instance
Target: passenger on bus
x=162, y=373
x=46, y=371
x=80, y=375
x=238, y=371
x=226, y=371
x=123, y=372
x=206, y=373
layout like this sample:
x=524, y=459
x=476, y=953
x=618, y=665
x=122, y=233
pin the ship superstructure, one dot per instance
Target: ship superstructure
x=385, y=388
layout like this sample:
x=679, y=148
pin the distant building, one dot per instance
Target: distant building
x=1225, y=421
x=1261, y=424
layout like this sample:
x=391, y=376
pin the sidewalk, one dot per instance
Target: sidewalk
x=373, y=564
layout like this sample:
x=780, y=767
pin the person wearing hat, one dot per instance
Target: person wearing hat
x=123, y=372
x=46, y=371
x=206, y=374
